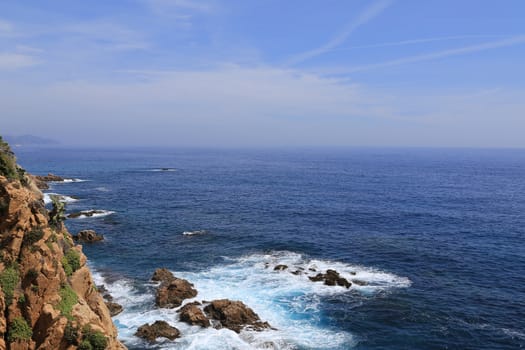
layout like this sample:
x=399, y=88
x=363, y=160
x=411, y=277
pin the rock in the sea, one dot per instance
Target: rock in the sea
x=360, y=282
x=331, y=278
x=114, y=308
x=234, y=315
x=162, y=275
x=280, y=267
x=88, y=236
x=87, y=213
x=192, y=314
x=157, y=330
x=172, y=293
x=49, y=178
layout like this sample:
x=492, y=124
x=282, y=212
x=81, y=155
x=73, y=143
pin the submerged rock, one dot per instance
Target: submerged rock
x=173, y=292
x=192, y=314
x=88, y=236
x=331, y=278
x=234, y=315
x=157, y=330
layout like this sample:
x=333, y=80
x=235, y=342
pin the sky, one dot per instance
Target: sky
x=265, y=73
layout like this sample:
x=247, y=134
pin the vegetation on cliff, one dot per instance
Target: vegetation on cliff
x=47, y=296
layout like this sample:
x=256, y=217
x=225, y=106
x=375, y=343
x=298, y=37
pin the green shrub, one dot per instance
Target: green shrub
x=96, y=339
x=71, y=262
x=68, y=298
x=7, y=165
x=19, y=330
x=22, y=299
x=71, y=333
x=32, y=274
x=34, y=235
x=85, y=345
x=8, y=280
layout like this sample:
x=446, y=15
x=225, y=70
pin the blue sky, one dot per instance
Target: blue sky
x=265, y=73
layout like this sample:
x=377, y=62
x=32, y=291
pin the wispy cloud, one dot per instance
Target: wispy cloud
x=12, y=61
x=111, y=35
x=364, y=17
x=419, y=41
x=512, y=41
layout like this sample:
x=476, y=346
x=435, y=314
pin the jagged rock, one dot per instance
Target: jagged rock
x=192, y=314
x=234, y=315
x=280, y=267
x=172, y=293
x=87, y=213
x=162, y=275
x=88, y=236
x=114, y=308
x=157, y=330
x=331, y=278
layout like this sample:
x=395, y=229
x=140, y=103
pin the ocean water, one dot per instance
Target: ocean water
x=438, y=235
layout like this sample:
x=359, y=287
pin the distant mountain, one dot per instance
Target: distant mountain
x=29, y=140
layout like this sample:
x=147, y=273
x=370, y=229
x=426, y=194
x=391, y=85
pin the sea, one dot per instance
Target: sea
x=434, y=238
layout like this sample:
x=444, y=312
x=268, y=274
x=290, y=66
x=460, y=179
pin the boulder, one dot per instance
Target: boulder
x=172, y=293
x=88, y=236
x=192, y=314
x=162, y=275
x=280, y=267
x=234, y=315
x=157, y=330
x=331, y=278
x=114, y=308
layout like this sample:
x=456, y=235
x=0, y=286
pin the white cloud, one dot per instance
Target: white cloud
x=364, y=17
x=12, y=61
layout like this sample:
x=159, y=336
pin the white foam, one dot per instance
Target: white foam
x=61, y=198
x=290, y=303
x=73, y=180
x=192, y=233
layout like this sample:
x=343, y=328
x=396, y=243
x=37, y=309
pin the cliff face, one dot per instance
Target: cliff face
x=47, y=298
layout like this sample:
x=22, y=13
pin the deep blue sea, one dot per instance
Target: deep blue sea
x=438, y=235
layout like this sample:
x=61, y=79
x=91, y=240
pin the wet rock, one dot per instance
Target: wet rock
x=88, y=236
x=162, y=275
x=280, y=267
x=192, y=314
x=234, y=315
x=331, y=278
x=296, y=272
x=172, y=293
x=114, y=308
x=157, y=330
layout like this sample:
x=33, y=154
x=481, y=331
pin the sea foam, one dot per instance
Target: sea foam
x=61, y=198
x=290, y=303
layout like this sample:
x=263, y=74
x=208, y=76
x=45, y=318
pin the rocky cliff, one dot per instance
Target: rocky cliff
x=47, y=298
